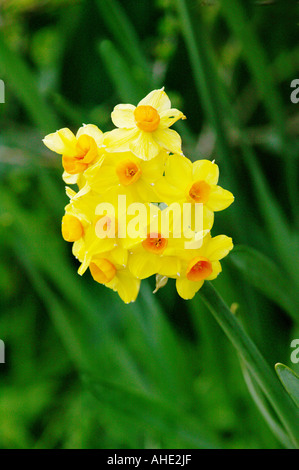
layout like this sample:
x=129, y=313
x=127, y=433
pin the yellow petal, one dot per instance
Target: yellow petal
x=93, y=131
x=170, y=116
x=119, y=256
x=144, y=146
x=216, y=266
x=218, y=247
x=167, y=192
x=168, y=139
x=144, y=192
x=62, y=142
x=118, y=140
x=187, y=289
x=70, y=179
x=102, y=179
x=208, y=218
x=178, y=171
x=169, y=266
x=70, y=192
x=84, y=264
x=219, y=198
x=204, y=170
x=123, y=116
x=127, y=286
x=157, y=99
x=153, y=169
x=143, y=265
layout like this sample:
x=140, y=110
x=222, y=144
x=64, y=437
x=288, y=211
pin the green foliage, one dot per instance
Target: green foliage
x=84, y=370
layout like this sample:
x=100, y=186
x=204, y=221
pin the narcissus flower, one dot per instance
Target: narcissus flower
x=196, y=182
x=78, y=152
x=129, y=174
x=144, y=130
x=159, y=248
x=107, y=270
x=197, y=266
x=91, y=232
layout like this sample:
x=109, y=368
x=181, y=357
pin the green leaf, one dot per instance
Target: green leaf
x=261, y=403
x=282, y=404
x=267, y=277
x=289, y=380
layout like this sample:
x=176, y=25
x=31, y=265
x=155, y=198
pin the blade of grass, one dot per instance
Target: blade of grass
x=281, y=402
x=263, y=407
x=289, y=380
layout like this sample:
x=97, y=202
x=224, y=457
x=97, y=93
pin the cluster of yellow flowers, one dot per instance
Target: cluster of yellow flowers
x=140, y=163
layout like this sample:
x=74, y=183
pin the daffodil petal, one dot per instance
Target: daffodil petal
x=153, y=169
x=62, y=142
x=127, y=286
x=143, y=265
x=123, y=116
x=84, y=264
x=166, y=192
x=218, y=247
x=178, y=171
x=187, y=289
x=220, y=198
x=119, y=256
x=216, y=266
x=208, y=218
x=169, y=266
x=168, y=139
x=93, y=131
x=144, y=146
x=69, y=179
x=205, y=170
x=118, y=140
x=170, y=116
x=157, y=99
x=102, y=179
x=70, y=192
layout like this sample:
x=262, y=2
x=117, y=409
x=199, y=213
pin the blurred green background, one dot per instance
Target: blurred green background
x=82, y=369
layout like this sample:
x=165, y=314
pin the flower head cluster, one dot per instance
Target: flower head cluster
x=141, y=207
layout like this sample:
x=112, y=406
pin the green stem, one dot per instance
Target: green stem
x=256, y=363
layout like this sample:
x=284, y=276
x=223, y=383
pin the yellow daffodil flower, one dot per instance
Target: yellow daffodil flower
x=196, y=182
x=106, y=269
x=159, y=248
x=197, y=266
x=128, y=174
x=144, y=130
x=78, y=152
x=92, y=233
